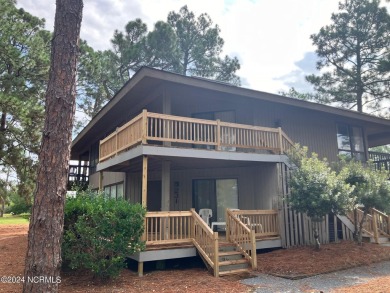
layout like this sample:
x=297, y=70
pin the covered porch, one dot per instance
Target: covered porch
x=175, y=166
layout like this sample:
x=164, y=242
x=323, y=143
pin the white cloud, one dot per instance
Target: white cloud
x=269, y=37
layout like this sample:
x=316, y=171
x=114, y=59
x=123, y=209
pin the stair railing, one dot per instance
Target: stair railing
x=382, y=221
x=206, y=242
x=244, y=238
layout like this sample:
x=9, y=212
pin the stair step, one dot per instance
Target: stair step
x=233, y=272
x=226, y=247
x=225, y=253
x=233, y=262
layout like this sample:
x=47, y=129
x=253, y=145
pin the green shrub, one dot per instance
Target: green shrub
x=99, y=233
x=18, y=205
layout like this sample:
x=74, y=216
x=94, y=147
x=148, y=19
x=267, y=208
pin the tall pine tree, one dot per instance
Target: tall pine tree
x=47, y=218
x=352, y=56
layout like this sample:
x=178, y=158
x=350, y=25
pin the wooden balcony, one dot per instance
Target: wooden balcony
x=153, y=128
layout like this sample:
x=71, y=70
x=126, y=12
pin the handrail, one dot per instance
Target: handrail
x=376, y=222
x=149, y=126
x=244, y=238
x=382, y=221
x=265, y=223
x=368, y=223
x=206, y=241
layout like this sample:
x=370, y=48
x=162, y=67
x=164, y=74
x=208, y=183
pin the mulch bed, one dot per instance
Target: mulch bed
x=291, y=263
x=302, y=262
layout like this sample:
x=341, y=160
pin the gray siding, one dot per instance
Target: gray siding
x=315, y=130
x=108, y=179
x=257, y=185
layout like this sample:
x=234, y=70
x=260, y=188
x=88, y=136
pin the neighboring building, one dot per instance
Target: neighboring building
x=174, y=143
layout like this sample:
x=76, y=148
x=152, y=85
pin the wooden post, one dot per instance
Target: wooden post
x=144, y=180
x=388, y=224
x=218, y=138
x=192, y=223
x=254, y=254
x=280, y=139
x=227, y=225
x=144, y=126
x=140, y=269
x=216, y=255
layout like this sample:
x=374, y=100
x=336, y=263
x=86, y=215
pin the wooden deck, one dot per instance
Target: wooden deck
x=177, y=234
x=153, y=128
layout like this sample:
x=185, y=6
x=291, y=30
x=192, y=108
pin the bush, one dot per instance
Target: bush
x=18, y=205
x=99, y=233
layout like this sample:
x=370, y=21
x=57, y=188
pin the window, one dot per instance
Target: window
x=350, y=142
x=115, y=191
x=215, y=194
x=93, y=158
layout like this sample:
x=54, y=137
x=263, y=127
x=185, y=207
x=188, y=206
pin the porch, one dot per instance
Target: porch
x=177, y=234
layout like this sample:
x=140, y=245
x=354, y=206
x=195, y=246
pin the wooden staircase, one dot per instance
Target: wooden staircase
x=231, y=261
x=376, y=227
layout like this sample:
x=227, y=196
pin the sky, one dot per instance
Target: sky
x=271, y=38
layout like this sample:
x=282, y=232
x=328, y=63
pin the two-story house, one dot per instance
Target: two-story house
x=176, y=143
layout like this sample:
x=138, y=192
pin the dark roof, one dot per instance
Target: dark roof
x=147, y=77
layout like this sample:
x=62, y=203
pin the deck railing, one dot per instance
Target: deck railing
x=264, y=223
x=206, y=241
x=168, y=227
x=153, y=127
x=179, y=227
x=241, y=235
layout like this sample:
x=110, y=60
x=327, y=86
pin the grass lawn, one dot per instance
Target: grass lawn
x=9, y=219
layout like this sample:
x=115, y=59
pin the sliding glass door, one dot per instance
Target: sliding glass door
x=215, y=194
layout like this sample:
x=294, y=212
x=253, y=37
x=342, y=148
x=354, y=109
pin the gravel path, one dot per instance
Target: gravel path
x=321, y=283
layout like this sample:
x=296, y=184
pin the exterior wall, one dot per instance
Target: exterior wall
x=312, y=129
x=257, y=185
x=108, y=179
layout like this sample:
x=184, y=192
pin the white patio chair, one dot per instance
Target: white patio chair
x=206, y=214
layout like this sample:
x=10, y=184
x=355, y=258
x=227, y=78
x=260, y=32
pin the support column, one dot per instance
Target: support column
x=144, y=180
x=144, y=201
x=140, y=269
x=165, y=185
x=166, y=193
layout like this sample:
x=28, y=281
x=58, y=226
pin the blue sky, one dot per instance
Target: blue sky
x=271, y=38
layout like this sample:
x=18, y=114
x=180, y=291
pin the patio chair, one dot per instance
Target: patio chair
x=206, y=214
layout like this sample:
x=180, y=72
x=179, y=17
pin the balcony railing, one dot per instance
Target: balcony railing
x=380, y=160
x=152, y=128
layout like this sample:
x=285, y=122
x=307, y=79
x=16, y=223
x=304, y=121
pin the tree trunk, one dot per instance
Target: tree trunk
x=360, y=235
x=2, y=207
x=355, y=223
x=43, y=259
x=316, y=239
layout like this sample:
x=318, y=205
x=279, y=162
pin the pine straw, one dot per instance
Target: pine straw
x=191, y=281
x=294, y=262
x=302, y=262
